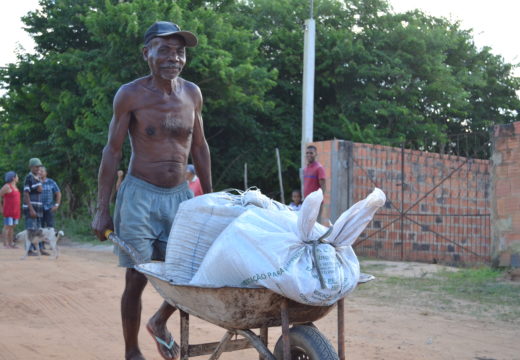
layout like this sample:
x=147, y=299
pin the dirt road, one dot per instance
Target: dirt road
x=69, y=309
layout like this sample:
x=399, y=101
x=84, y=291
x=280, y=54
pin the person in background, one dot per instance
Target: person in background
x=120, y=176
x=51, y=198
x=10, y=207
x=314, y=173
x=193, y=180
x=32, y=202
x=296, y=197
x=119, y=181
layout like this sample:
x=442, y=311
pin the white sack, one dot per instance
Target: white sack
x=199, y=221
x=268, y=248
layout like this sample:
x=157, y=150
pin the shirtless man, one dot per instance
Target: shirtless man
x=162, y=114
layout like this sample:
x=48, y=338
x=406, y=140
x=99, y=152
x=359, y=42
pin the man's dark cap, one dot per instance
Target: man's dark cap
x=166, y=28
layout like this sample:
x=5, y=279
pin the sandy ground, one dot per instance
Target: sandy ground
x=69, y=309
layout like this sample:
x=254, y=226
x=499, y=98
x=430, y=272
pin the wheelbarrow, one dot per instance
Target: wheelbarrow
x=239, y=310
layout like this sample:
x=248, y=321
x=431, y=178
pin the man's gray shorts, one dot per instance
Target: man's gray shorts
x=144, y=215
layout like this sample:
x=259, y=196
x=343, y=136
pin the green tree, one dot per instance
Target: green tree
x=380, y=78
x=59, y=101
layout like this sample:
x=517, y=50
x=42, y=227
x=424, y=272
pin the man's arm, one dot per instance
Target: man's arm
x=321, y=178
x=322, y=185
x=110, y=159
x=26, y=195
x=58, y=198
x=57, y=194
x=200, y=149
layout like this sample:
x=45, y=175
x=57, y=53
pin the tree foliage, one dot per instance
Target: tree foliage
x=380, y=78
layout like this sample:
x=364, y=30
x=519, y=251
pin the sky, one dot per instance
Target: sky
x=494, y=23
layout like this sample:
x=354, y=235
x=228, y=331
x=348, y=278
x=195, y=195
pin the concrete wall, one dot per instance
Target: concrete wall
x=506, y=194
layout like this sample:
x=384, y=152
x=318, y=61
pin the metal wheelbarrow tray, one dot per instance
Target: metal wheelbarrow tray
x=230, y=307
x=241, y=309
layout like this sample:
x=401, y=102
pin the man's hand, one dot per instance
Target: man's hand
x=54, y=208
x=32, y=213
x=102, y=222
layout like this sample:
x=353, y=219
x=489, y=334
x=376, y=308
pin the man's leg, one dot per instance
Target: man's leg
x=48, y=218
x=131, y=312
x=41, y=244
x=44, y=224
x=31, y=234
x=29, y=226
x=157, y=326
x=44, y=219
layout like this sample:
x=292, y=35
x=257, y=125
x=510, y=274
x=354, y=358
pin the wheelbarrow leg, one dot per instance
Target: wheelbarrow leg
x=257, y=343
x=222, y=345
x=185, y=335
x=264, y=336
x=341, y=329
x=285, y=330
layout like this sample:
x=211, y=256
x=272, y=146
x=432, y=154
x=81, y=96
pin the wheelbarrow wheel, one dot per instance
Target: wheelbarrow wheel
x=307, y=343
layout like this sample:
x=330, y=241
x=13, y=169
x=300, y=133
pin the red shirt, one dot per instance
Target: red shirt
x=195, y=187
x=312, y=175
x=12, y=203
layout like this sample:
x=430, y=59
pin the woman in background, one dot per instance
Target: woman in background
x=10, y=207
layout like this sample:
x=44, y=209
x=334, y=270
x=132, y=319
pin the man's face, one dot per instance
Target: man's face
x=35, y=170
x=166, y=56
x=310, y=155
x=43, y=173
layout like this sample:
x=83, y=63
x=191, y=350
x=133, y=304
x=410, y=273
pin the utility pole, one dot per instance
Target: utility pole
x=308, y=86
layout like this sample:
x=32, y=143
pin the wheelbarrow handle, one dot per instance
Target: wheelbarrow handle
x=122, y=245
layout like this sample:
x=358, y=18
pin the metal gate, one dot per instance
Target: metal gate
x=437, y=208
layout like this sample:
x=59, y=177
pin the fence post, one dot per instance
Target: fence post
x=341, y=178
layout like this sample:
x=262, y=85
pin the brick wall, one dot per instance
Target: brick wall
x=445, y=197
x=506, y=188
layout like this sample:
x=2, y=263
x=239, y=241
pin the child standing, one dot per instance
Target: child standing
x=296, y=198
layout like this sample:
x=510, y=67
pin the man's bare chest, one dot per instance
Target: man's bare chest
x=164, y=120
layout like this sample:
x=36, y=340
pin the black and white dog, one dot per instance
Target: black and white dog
x=47, y=235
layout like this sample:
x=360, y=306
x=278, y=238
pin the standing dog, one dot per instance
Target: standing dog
x=47, y=235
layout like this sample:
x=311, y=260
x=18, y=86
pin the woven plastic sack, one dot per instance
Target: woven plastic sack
x=289, y=253
x=199, y=221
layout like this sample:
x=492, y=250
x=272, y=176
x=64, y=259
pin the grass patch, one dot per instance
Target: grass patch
x=78, y=229
x=483, y=285
x=479, y=292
